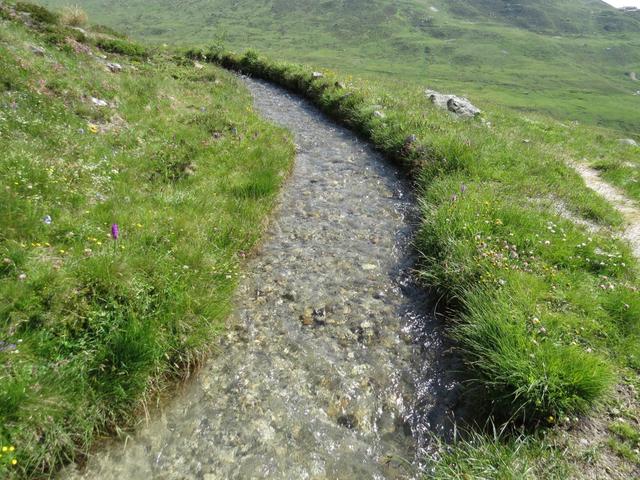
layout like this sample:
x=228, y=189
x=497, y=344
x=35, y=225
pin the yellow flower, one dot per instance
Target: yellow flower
x=5, y=449
x=139, y=225
x=11, y=449
x=14, y=461
x=61, y=251
x=93, y=128
x=551, y=419
x=98, y=243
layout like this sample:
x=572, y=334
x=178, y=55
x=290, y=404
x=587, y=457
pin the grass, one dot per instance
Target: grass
x=565, y=58
x=544, y=310
x=91, y=327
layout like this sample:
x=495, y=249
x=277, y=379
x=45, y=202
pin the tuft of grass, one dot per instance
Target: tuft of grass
x=499, y=456
x=38, y=13
x=122, y=46
x=74, y=16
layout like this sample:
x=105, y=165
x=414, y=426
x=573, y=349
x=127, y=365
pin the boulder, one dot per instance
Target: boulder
x=458, y=105
x=628, y=141
x=633, y=76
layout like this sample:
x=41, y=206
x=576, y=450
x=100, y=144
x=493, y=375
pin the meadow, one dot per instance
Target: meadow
x=570, y=59
x=541, y=296
x=93, y=324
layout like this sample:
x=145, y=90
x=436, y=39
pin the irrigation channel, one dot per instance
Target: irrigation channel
x=333, y=365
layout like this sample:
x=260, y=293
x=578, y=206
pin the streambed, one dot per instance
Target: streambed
x=332, y=366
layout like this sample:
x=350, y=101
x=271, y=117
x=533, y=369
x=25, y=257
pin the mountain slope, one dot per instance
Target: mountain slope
x=563, y=57
x=92, y=321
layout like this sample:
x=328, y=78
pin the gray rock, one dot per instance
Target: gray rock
x=628, y=141
x=99, y=102
x=633, y=76
x=458, y=105
x=379, y=114
x=114, y=67
x=37, y=50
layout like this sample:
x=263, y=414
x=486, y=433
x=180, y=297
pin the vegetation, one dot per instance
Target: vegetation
x=92, y=323
x=569, y=58
x=131, y=192
x=548, y=315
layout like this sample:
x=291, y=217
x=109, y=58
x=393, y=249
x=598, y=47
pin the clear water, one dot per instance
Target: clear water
x=331, y=368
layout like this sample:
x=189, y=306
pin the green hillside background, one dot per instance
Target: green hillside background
x=569, y=58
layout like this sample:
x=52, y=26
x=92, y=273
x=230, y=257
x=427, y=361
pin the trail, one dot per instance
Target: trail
x=332, y=366
x=624, y=205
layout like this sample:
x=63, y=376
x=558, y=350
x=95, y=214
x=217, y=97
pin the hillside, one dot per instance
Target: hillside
x=136, y=180
x=97, y=131
x=567, y=58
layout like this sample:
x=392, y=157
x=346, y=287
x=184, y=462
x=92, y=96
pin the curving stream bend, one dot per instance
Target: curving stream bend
x=329, y=369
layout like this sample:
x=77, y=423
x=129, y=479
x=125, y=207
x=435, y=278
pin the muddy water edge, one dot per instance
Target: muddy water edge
x=333, y=365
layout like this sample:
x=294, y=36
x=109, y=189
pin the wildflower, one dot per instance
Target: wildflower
x=5, y=449
x=551, y=419
x=61, y=251
x=463, y=188
x=139, y=225
x=11, y=449
x=22, y=277
x=14, y=461
x=498, y=222
x=47, y=219
x=93, y=128
x=115, y=232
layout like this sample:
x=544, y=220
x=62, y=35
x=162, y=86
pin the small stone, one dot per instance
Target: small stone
x=317, y=75
x=198, y=65
x=307, y=317
x=379, y=114
x=289, y=295
x=22, y=277
x=37, y=50
x=114, y=67
x=348, y=421
x=98, y=102
x=369, y=266
x=628, y=141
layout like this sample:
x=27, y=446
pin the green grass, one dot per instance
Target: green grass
x=545, y=312
x=567, y=58
x=500, y=456
x=91, y=327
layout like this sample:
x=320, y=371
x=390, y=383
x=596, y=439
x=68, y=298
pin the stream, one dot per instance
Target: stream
x=333, y=365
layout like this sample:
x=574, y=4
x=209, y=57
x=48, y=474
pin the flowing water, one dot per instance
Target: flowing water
x=329, y=369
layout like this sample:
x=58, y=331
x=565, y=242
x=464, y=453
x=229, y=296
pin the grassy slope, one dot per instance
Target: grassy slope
x=548, y=312
x=90, y=327
x=564, y=57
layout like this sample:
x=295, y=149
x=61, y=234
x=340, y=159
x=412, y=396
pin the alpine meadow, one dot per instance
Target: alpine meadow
x=338, y=239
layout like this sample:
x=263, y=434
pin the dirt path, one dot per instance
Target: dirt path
x=624, y=205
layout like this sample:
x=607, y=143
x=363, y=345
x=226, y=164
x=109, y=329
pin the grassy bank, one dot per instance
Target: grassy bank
x=544, y=299
x=91, y=326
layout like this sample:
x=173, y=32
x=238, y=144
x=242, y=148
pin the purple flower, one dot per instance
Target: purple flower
x=115, y=233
